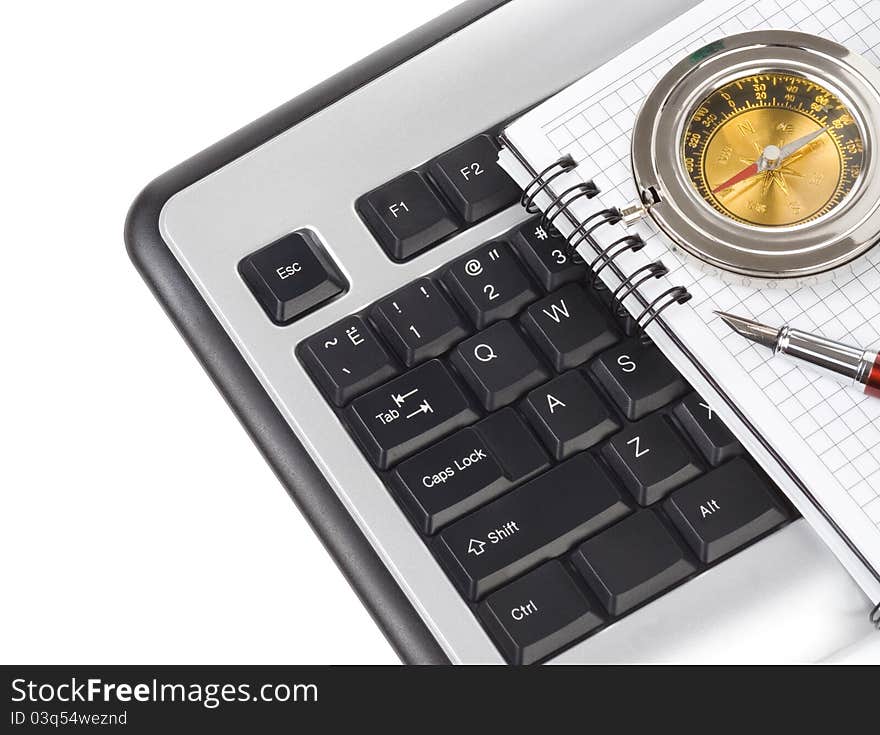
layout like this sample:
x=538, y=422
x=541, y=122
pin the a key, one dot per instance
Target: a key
x=632, y=561
x=538, y=614
x=347, y=359
x=499, y=365
x=291, y=276
x=569, y=415
x=651, y=459
x=490, y=284
x=419, y=322
x=533, y=523
x=408, y=413
x=569, y=328
x=473, y=181
x=708, y=432
x=638, y=377
x=544, y=250
x=724, y=510
x=469, y=468
x=406, y=216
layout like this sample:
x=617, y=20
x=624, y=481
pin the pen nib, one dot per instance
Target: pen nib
x=754, y=331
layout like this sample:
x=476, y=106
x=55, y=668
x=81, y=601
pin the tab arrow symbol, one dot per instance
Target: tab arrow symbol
x=476, y=547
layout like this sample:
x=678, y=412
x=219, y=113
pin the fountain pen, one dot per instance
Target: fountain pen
x=861, y=368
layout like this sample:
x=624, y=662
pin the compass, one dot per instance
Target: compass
x=756, y=156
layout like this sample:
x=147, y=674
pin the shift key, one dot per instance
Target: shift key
x=408, y=413
x=538, y=521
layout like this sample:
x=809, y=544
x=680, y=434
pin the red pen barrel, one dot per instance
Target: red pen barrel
x=872, y=384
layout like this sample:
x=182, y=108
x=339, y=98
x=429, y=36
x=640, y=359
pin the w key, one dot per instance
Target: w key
x=569, y=327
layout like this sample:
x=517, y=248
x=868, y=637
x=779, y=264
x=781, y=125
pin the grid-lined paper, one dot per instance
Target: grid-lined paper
x=840, y=425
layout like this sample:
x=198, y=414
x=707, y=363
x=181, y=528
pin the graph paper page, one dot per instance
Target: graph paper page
x=827, y=433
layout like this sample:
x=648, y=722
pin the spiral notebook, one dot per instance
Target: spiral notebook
x=818, y=439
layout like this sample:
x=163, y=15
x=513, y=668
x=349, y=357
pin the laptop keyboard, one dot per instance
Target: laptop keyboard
x=559, y=468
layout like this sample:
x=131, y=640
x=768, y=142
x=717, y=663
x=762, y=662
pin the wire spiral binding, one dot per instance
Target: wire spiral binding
x=674, y=295
x=561, y=203
x=542, y=181
x=633, y=243
x=610, y=216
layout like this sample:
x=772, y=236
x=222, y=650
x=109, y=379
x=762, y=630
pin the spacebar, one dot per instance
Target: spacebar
x=538, y=521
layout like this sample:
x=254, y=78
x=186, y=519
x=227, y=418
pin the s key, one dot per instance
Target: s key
x=490, y=284
x=639, y=378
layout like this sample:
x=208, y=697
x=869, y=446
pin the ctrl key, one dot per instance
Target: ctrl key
x=538, y=614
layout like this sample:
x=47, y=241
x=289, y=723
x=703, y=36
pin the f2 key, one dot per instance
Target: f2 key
x=473, y=181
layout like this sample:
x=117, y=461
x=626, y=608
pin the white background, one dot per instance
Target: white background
x=139, y=524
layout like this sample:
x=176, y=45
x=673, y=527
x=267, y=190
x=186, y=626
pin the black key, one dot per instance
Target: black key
x=724, y=510
x=490, y=284
x=533, y=523
x=632, y=562
x=467, y=469
x=545, y=252
x=569, y=327
x=412, y=411
x=347, y=359
x=538, y=614
x=499, y=365
x=419, y=322
x=639, y=378
x=703, y=425
x=291, y=276
x=472, y=179
x=406, y=216
x=651, y=458
x=569, y=415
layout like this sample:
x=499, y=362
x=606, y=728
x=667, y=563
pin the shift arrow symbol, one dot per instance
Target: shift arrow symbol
x=476, y=547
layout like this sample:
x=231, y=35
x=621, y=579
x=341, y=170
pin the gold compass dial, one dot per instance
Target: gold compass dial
x=772, y=150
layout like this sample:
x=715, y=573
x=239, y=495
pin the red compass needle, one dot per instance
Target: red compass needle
x=746, y=173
